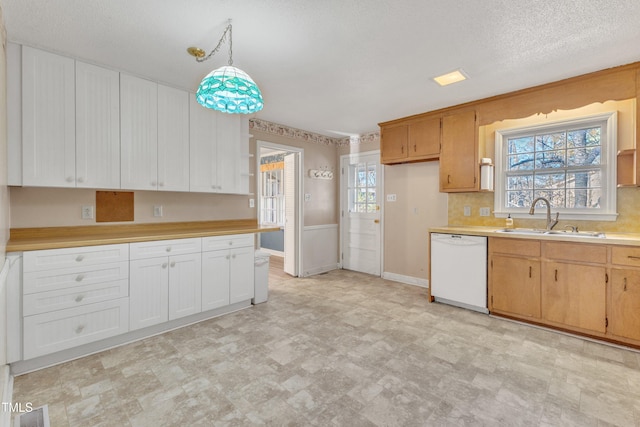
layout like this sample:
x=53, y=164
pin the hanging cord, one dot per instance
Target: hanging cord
x=217, y=48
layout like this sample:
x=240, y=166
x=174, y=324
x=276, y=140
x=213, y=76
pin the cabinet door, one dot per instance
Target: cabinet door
x=424, y=139
x=203, y=173
x=515, y=286
x=574, y=295
x=459, y=166
x=215, y=279
x=185, y=275
x=393, y=144
x=228, y=142
x=173, y=139
x=138, y=133
x=241, y=274
x=148, y=292
x=48, y=119
x=97, y=127
x=624, y=304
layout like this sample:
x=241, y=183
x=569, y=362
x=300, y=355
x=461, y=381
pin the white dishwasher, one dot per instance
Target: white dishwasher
x=459, y=270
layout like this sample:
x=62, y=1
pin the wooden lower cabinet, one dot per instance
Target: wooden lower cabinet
x=515, y=285
x=574, y=295
x=624, y=303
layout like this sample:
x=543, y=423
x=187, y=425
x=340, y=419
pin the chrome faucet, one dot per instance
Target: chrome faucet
x=550, y=222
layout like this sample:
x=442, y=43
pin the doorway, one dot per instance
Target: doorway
x=279, y=188
x=360, y=212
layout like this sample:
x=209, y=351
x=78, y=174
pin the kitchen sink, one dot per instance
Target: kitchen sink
x=563, y=233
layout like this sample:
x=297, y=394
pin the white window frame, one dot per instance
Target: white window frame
x=608, y=139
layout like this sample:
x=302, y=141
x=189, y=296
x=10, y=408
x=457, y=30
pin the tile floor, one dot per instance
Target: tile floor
x=345, y=349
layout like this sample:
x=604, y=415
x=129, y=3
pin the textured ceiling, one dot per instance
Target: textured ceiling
x=340, y=67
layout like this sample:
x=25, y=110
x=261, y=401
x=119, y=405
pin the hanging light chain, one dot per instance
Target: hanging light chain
x=217, y=48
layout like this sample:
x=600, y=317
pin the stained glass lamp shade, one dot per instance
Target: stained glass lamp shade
x=230, y=90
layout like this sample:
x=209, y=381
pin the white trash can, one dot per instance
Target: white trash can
x=261, y=277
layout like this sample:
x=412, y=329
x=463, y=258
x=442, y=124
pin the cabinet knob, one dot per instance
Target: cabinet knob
x=79, y=298
x=227, y=257
x=168, y=248
x=154, y=183
x=79, y=329
x=230, y=242
x=161, y=184
x=81, y=179
x=79, y=258
x=173, y=264
x=233, y=256
x=79, y=277
x=69, y=179
x=164, y=265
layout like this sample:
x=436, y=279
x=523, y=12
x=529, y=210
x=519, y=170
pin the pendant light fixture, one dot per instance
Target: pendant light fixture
x=227, y=89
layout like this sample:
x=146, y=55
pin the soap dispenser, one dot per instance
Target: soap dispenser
x=509, y=222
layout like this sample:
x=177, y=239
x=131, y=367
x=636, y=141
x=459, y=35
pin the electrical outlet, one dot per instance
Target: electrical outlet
x=252, y=203
x=391, y=197
x=157, y=210
x=467, y=211
x=307, y=197
x=87, y=212
x=485, y=211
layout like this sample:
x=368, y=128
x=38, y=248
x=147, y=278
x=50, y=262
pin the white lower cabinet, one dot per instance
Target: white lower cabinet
x=163, y=288
x=227, y=270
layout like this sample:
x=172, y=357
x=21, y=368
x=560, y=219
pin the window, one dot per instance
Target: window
x=362, y=188
x=570, y=163
x=272, y=203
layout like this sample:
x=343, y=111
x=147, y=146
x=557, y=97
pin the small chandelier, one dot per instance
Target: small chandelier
x=227, y=89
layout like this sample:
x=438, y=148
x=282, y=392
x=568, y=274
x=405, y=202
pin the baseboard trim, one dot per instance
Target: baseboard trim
x=409, y=280
x=6, y=391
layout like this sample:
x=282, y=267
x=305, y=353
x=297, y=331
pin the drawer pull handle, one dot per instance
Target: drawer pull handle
x=556, y=278
x=173, y=264
x=529, y=272
x=168, y=248
x=79, y=329
x=633, y=257
x=164, y=265
x=625, y=285
x=79, y=258
x=79, y=277
x=79, y=298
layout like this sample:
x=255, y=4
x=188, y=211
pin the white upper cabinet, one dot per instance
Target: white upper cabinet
x=97, y=127
x=138, y=133
x=173, y=139
x=219, y=151
x=48, y=119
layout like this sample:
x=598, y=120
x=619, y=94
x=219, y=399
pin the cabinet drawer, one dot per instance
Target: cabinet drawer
x=625, y=255
x=58, y=279
x=575, y=252
x=226, y=242
x=43, y=302
x=59, y=330
x=71, y=257
x=510, y=246
x=155, y=249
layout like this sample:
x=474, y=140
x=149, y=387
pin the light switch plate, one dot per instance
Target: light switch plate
x=485, y=211
x=391, y=197
x=467, y=211
x=252, y=203
x=157, y=210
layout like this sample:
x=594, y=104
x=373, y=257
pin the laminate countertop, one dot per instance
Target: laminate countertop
x=629, y=239
x=31, y=239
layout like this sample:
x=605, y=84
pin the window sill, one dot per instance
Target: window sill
x=563, y=215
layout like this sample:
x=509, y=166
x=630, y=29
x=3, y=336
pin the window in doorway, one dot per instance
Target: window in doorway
x=362, y=188
x=272, y=191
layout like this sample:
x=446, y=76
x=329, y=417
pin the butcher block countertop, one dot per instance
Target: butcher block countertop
x=629, y=239
x=31, y=239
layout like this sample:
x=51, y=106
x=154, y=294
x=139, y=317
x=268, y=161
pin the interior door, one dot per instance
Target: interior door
x=361, y=190
x=291, y=165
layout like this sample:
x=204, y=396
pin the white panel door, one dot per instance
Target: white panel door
x=215, y=279
x=48, y=119
x=185, y=275
x=291, y=165
x=203, y=150
x=138, y=133
x=229, y=148
x=97, y=127
x=361, y=213
x=148, y=292
x=173, y=139
x=241, y=274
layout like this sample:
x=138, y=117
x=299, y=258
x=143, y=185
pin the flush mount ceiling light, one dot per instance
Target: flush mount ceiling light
x=227, y=89
x=449, y=78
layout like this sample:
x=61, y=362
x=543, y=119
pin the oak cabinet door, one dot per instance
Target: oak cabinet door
x=624, y=304
x=459, y=166
x=515, y=286
x=393, y=144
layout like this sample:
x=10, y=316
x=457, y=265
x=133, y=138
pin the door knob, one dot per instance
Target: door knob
x=377, y=221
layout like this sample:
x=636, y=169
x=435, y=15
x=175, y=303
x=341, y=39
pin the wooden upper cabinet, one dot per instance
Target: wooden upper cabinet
x=459, y=167
x=393, y=144
x=418, y=140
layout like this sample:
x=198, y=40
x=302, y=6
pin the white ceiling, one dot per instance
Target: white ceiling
x=339, y=67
